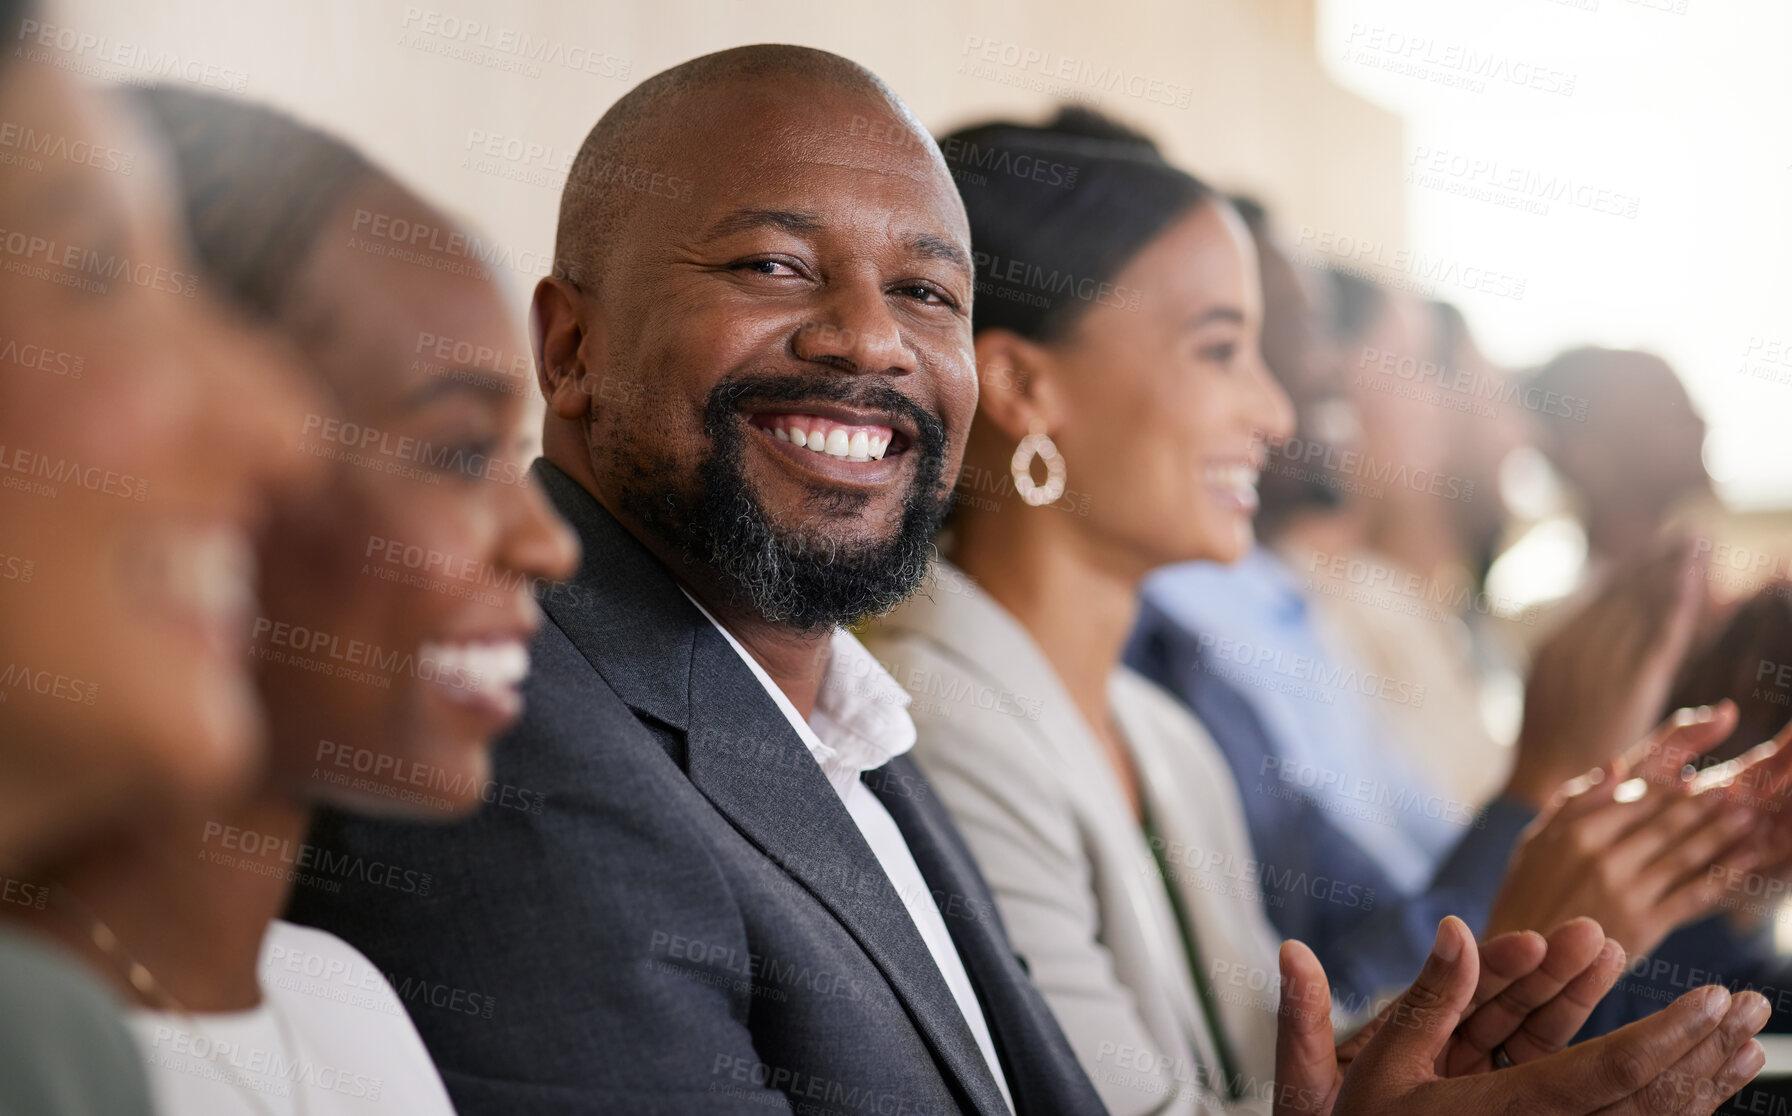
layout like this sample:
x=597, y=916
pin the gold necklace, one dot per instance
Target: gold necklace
x=105, y=939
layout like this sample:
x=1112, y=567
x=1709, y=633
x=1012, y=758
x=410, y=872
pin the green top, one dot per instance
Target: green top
x=64, y=1050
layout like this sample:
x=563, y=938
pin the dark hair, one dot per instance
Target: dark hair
x=1452, y=331
x=256, y=188
x=12, y=13
x=1355, y=302
x=1757, y=636
x=1593, y=376
x=1254, y=213
x=1057, y=210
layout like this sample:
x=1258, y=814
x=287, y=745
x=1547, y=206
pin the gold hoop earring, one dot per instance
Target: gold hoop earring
x=1021, y=467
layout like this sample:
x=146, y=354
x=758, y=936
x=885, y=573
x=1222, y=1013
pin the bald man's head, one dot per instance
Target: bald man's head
x=756, y=345
x=626, y=157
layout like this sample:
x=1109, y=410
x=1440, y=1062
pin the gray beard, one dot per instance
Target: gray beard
x=805, y=580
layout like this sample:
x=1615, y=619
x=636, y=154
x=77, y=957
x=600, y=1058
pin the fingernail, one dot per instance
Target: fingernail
x=1702, y=713
x=1716, y=1002
x=1754, y=1010
x=1448, y=945
x=1751, y=1058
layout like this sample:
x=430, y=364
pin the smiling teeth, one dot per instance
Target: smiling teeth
x=858, y=446
x=1238, y=477
x=466, y=669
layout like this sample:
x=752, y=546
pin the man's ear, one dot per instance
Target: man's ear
x=558, y=338
x=1018, y=386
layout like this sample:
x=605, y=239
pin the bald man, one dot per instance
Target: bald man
x=736, y=894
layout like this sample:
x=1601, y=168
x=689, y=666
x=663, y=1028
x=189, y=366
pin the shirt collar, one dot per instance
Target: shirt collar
x=861, y=719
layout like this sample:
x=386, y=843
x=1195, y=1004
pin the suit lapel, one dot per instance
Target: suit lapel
x=1043, y=1072
x=628, y=617
x=747, y=760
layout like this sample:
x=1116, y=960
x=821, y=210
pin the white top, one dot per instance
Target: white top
x=861, y=722
x=330, y=1038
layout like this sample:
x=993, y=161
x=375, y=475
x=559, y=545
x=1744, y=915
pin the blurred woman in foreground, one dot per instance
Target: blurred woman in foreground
x=390, y=643
x=125, y=569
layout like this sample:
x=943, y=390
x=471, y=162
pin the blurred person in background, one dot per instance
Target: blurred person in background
x=1261, y=634
x=125, y=577
x=235, y=1010
x=1631, y=449
x=1408, y=601
x=1599, y=697
x=1103, y=816
x=1747, y=662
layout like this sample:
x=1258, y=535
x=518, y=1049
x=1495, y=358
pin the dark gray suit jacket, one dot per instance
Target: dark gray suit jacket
x=663, y=906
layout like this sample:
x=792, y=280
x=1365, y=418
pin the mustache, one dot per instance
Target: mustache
x=725, y=398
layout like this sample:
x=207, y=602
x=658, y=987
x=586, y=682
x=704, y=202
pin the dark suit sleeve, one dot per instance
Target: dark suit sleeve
x=573, y=896
x=1370, y=952
x=1376, y=938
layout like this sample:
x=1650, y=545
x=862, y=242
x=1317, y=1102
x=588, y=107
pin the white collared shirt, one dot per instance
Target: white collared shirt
x=860, y=723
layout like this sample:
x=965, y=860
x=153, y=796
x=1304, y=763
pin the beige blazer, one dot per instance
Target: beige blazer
x=1076, y=881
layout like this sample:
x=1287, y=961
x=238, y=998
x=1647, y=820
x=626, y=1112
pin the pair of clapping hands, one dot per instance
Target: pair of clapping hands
x=1516, y=999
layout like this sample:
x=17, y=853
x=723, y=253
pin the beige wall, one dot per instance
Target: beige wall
x=1258, y=114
